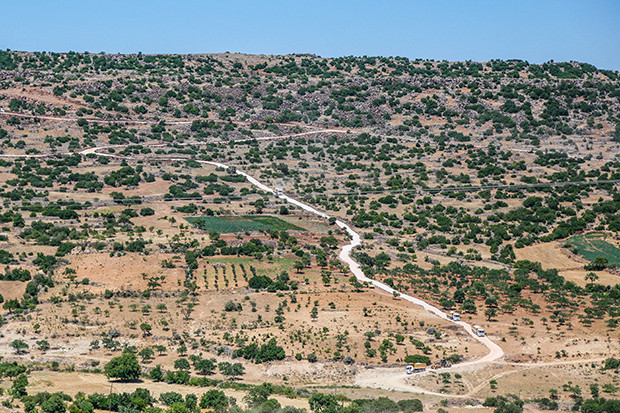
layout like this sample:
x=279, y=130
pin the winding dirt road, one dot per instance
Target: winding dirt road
x=495, y=351
x=397, y=381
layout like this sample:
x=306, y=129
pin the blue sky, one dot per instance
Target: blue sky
x=532, y=30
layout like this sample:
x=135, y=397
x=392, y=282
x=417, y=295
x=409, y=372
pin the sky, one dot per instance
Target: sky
x=478, y=30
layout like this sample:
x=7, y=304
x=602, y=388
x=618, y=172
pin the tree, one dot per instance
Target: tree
x=157, y=374
x=178, y=407
x=191, y=401
x=299, y=266
x=490, y=313
x=19, y=386
x=55, y=404
x=205, y=366
x=43, y=345
x=19, y=346
x=123, y=367
x=611, y=363
x=417, y=358
x=161, y=307
x=258, y=394
x=231, y=370
x=146, y=329
x=146, y=353
x=259, y=282
x=599, y=264
x=410, y=406
x=171, y=397
x=591, y=277
x=324, y=403
x=214, y=399
x=11, y=305
x=181, y=364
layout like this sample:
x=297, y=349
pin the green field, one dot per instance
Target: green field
x=594, y=245
x=242, y=223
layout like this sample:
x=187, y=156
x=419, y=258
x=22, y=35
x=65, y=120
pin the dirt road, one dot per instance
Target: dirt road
x=396, y=381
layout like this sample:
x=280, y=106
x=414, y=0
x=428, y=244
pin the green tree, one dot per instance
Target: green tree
x=410, y=406
x=324, y=403
x=43, y=345
x=146, y=329
x=231, y=369
x=146, y=353
x=19, y=346
x=205, y=366
x=214, y=399
x=11, y=305
x=181, y=364
x=299, y=266
x=123, y=367
x=258, y=394
x=591, y=277
x=55, y=404
x=156, y=374
x=599, y=264
x=19, y=386
x=611, y=363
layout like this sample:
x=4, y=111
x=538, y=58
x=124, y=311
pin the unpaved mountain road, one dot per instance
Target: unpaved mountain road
x=396, y=381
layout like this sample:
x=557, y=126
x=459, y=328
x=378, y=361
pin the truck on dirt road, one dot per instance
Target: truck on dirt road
x=415, y=368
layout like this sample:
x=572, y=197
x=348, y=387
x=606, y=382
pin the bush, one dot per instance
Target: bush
x=170, y=398
x=611, y=364
x=259, y=282
x=408, y=406
x=232, y=306
x=267, y=352
x=147, y=212
x=417, y=358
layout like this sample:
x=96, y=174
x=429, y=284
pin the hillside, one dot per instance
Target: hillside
x=162, y=206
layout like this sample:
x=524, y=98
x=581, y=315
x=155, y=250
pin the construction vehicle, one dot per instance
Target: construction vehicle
x=454, y=316
x=417, y=367
x=277, y=191
x=478, y=330
x=441, y=364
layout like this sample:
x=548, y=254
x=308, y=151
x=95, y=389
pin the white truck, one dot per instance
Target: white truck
x=415, y=368
x=454, y=316
x=478, y=330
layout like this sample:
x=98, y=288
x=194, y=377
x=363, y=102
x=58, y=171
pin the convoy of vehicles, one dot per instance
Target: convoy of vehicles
x=419, y=367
